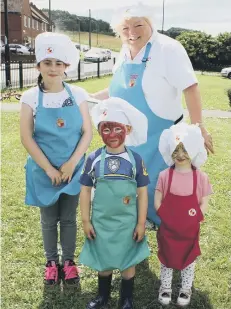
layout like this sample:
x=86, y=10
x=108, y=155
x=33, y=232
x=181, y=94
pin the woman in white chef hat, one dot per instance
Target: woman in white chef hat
x=56, y=131
x=151, y=73
x=115, y=231
x=181, y=200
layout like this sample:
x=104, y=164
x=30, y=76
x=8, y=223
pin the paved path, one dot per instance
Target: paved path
x=15, y=107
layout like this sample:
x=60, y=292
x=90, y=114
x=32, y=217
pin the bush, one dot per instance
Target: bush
x=229, y=96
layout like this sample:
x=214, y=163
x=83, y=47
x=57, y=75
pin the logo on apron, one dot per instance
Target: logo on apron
x=192, y=212
x=113, y=165
x=60, y=123
x=132, y=81
x=126, y=200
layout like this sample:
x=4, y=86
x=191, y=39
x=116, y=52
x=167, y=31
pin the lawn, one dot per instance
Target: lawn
x=100, y=40
x=213, y=90
x=22, y=250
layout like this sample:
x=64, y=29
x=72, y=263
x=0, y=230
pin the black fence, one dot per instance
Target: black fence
x=25, y=74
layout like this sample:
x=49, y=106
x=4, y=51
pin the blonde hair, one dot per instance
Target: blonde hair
x=147, y=19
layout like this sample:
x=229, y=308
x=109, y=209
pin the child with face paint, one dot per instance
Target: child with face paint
x=115, y=232
x=181, y=200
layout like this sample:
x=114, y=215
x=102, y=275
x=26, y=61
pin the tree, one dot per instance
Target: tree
x=224, y=48
x=201, y=48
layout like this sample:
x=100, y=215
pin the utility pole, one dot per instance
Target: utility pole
x=90, y=28
x=163, y=19
x=50, y=25
x=7, y=49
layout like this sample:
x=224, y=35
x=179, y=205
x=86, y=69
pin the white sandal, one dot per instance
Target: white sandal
x=184, y=297
x=165, y=296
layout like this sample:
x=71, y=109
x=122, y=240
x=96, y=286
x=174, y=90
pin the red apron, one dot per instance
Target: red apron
x=178, y=235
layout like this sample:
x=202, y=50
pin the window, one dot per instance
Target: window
x=33, y=23
x=37, y=25
x=25, y=21
x=45, y=27
x=28, y=22
x=42, y=26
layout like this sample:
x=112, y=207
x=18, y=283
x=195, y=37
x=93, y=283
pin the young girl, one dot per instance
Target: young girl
x=115, y=232
x=181, y=200
x=56, y=131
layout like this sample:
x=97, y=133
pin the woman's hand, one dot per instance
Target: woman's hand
x=139, y=232
x=89, y=230
x=54, y=175
x=67, y=170
x=208, y=140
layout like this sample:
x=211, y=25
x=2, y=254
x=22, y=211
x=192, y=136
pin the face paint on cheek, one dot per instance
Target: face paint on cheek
x=113, y=134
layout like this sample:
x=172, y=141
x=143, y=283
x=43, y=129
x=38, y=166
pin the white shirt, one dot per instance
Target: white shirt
x=168, y=72
x=53, y=100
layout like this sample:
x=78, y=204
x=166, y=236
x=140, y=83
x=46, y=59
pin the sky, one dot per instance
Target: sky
x=210, y=16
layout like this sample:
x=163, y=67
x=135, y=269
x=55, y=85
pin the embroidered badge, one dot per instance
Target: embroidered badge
x=113, y=165
x=60, y=123
x=132, y=81
x=192, y=212
x=145, y=173
x=50, y=50
x=127, y=200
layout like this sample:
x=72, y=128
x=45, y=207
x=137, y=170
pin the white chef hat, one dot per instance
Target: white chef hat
x=190, y=136
x=118, y=110
x=58, y=46
x=127, y=12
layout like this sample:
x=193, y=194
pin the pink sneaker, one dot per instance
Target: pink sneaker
x=52, y=273
x=70, y=273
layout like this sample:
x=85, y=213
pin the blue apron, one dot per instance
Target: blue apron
x=127, y=84
x=114, y=217
x=57, y=132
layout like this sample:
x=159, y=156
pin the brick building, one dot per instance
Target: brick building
x=25, y=22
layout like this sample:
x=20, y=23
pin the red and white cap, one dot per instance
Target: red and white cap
x=58, y=46
x=191, y=138
x=118, y=110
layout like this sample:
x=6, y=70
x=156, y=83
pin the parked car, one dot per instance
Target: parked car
x=19, y=49
x=226, y=72
x=94, y=56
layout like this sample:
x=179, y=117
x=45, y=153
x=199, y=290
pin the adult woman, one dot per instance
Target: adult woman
x=151, y=73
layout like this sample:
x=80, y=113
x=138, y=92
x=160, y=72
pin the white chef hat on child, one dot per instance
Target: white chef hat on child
x=138, y=10
x=192, y=139
x=118, y=110
x=58, y=46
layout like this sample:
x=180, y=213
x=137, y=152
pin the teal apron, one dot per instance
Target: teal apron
x=57, y=132
x=127, y=84
x=114, y=218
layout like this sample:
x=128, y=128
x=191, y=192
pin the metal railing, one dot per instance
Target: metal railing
x=25, y=74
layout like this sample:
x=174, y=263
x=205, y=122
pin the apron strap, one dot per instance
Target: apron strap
x=66, y=86
x=40, y=99
x=101, y=167
x=194, y=181
x=170, y=174
x=133, y=162
x=146, y=54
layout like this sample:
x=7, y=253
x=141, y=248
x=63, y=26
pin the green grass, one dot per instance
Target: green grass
x=213, y=90
x=22, y=250
x=104, y=41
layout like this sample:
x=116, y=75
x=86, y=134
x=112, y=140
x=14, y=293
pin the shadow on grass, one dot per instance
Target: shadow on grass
x=62, y=297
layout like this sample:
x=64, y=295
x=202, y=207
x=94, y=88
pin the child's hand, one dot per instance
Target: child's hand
x=89, y=230
x=54, y=175
x=67, y=170
x=139, y=232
